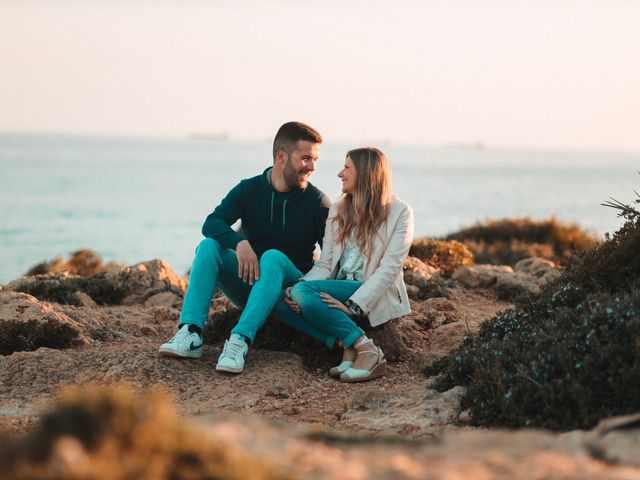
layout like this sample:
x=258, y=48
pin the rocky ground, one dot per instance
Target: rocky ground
x=285, y=407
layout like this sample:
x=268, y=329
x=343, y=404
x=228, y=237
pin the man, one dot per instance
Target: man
x=283, y=217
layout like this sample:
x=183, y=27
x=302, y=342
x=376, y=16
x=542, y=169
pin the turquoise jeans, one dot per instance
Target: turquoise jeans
x=216, y=266
x=333, y=321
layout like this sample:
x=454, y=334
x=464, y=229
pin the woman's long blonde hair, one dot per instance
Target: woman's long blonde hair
x=362, y=212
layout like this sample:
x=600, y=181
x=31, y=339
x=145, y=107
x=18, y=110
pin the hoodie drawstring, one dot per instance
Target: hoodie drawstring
x=273, y=194
x=284, y=215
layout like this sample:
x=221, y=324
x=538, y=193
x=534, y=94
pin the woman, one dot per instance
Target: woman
x=358, y=282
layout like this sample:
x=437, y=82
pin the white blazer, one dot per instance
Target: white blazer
x=383, y=294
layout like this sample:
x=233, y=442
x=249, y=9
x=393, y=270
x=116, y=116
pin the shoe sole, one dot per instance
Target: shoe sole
x=378, y=371
x=229, y=369
x=174, y=354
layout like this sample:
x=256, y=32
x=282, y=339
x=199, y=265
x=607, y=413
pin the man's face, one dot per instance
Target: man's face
x=301, y=164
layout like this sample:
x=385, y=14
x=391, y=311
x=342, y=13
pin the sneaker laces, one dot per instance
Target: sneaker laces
x=232, y=349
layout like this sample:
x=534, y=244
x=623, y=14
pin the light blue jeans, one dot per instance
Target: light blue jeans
x=215, y=265
x=333, y=321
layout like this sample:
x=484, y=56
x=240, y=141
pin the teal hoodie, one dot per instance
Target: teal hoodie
x=291, y=222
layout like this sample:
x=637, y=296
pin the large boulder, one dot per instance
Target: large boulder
x=423, y=280
x=526, y=278
x=480, y=275
x=139, y=283
x=27, y=324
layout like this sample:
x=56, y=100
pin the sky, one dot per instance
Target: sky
x=516, y=74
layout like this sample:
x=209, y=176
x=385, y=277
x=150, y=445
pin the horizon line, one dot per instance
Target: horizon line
x=200, y=136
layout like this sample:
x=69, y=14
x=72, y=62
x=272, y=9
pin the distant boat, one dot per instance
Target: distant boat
x=208, y=136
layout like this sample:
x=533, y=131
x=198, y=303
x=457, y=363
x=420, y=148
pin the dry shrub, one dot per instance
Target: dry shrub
x=506, y=241
x=109, y=433
x=445, y=255
x=82, y=262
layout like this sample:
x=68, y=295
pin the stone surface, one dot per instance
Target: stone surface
x=440, y=304
x=162, y=299
x=122, y=285
x=616, y=440
x=28, y=324
x=416, y=411
x=541, y=268
x=480, y=275
x=423, y=280
x=528, y=277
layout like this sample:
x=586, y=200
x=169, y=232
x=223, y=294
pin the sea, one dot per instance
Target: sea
x=136, y=199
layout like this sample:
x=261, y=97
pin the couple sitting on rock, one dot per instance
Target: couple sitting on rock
x=356, y=284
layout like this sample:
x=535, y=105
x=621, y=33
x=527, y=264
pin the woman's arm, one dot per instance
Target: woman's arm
x=391, y=263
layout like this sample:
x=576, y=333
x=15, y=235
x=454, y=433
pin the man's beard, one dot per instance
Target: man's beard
x=292, y=177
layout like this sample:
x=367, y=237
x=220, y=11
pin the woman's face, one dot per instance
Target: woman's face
x=348, y=176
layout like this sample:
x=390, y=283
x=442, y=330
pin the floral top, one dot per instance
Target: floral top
x=351, y=262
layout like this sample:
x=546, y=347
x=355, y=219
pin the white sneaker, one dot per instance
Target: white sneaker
x=232, y=358
x=184, y=344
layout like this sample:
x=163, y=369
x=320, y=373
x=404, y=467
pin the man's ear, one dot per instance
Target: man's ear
x=281, y=157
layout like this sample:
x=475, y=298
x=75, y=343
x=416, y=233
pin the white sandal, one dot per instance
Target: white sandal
x=376, y=370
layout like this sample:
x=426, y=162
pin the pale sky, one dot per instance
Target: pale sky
x=542, y=74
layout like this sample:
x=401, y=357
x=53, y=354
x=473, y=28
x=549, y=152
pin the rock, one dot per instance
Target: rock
x=82, y=299
x=425, y=277
x=413, y=292
x=527, y=279
x=464, y=416
x=27, y=324
x=480, y=275
x=447, y=338
x=413, y=265
x=440, y=304
x=509, y=287
x=416, y=411
x=616, y=440
x=541, y=268
x=162, y=299
x=389, y=339
x=124, y=285
x=143, y=280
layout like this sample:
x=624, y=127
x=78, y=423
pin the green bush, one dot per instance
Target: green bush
x=507, y=241
x=565, y=359
x=445, y=255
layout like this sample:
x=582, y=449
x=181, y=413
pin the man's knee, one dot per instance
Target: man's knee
x=273, y=257
x=210, y=248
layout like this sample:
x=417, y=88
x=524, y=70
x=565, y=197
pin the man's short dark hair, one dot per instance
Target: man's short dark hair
x=289, y=134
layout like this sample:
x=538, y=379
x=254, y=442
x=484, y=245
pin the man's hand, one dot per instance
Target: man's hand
x=289, y=301
x=248, y=266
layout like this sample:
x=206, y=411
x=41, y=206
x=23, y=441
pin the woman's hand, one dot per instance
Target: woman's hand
x=290, y=303
x=333, y=303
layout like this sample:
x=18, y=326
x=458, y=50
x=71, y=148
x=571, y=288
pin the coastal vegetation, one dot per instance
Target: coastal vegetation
x=444, y=255
x=509, y=240
x=82, y=262
x=566, y=358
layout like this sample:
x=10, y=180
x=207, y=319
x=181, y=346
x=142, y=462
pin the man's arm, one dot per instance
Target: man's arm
x=218, y=226
x=218, y=223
